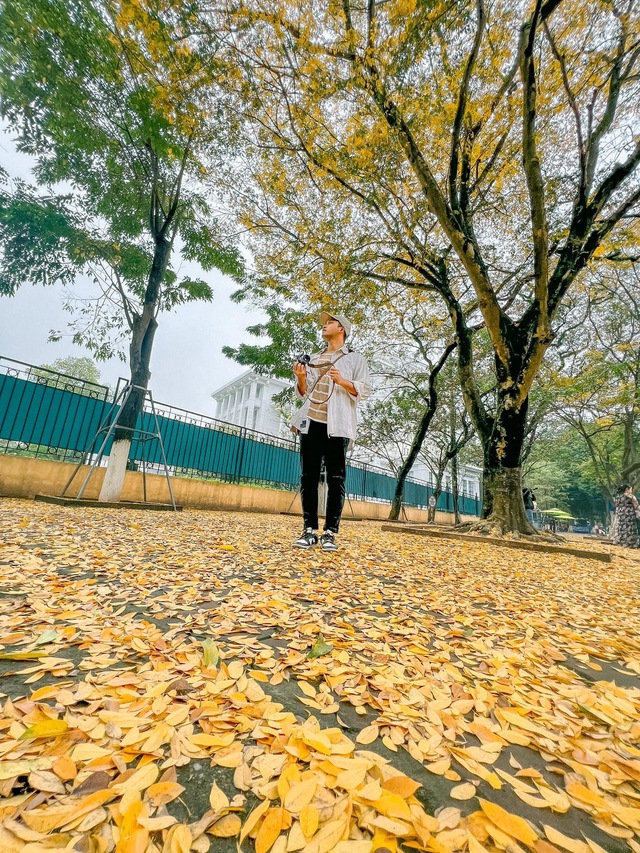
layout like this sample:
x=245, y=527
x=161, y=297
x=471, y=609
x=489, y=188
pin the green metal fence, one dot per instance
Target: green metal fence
x=50, y=415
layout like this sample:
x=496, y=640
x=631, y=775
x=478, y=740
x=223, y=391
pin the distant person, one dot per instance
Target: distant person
x=330, y=385
x=627, y=513
x=529, y=503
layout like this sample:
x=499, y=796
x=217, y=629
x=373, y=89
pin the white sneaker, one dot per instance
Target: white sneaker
x=308, y=539
x=328, y=541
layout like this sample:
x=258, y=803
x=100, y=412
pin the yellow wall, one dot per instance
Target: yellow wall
x=23, y=477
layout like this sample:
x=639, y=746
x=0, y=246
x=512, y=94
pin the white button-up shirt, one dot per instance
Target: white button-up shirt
x=341, y=406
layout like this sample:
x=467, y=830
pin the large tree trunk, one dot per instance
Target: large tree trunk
x=630, y=461
x=143, y=333
x=503, y=491
x=503, y=506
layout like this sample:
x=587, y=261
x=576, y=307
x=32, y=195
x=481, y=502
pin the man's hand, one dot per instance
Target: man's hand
x=300, y=372
x=339, y=379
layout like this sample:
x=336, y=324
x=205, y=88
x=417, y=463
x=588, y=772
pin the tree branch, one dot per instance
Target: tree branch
x=535, y=183
x=454, y=199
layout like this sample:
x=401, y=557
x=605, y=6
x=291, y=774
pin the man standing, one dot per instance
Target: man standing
x=330, y=388
x=529, y=500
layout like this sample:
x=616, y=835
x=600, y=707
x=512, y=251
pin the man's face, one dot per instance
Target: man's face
x=331, y=328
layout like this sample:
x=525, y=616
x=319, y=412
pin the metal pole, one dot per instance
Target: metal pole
x=144, y=471
x=243, y=440
x=87, y=452
x=164, y=458
x=125, y=392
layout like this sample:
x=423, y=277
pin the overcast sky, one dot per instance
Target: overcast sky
x=187, y=363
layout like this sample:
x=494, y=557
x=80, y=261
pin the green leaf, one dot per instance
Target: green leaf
x=210, y=653
x=319, y=648
x=45, y=729
x=47, y=637
x=21, y=655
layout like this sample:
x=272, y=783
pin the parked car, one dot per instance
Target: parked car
x=582, y=525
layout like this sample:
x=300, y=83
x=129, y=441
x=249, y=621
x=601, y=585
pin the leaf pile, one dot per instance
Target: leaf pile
x=397, y=695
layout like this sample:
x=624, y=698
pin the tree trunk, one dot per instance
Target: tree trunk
x=453, y=454
x=143, y=333
x=437, y=491
x=503, y=491
x=418, y=439
x=455, y=489
x=503, y=505
x=630, y=462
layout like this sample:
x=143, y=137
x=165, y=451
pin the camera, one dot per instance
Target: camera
x=304, y=358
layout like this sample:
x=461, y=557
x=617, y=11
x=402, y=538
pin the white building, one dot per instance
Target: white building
x=469, y=478
x=248, y=401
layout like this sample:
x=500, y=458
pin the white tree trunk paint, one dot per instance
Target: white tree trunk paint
x=116, y=469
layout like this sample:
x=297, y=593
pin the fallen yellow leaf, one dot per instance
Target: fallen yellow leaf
x=513, y=825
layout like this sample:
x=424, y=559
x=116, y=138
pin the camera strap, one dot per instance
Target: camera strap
x=324, y=368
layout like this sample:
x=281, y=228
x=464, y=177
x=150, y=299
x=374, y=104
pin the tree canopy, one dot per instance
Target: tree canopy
x=116, y=108
x=484, y=153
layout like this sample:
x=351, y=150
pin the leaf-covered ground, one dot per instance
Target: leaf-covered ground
x=191, y=682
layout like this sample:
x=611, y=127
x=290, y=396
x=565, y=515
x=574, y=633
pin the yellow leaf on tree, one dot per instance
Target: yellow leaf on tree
x=513, y=825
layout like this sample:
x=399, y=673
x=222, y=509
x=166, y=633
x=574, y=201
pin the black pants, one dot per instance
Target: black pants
x=314, y=447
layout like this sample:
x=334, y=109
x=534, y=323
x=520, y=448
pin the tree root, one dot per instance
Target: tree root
x=494, y=527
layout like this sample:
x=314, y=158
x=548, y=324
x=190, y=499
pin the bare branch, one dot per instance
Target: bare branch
x=533, y=174
x=461, y=110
